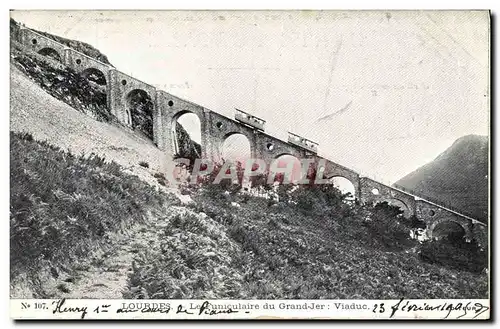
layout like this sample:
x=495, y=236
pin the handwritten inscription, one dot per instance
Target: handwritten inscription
x=390, y=309
x=60, y=308
x=446, y=308
x=205, y=309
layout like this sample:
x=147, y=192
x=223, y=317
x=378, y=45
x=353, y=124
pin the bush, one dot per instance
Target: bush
x=315, y=199
x=144, y=164
x=160, y=177
x=390, y=228
x=454, y=253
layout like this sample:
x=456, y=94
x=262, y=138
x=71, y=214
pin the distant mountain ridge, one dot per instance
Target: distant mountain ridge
x=458, y=177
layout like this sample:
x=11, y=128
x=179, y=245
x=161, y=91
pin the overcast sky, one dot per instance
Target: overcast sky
x=382, y=92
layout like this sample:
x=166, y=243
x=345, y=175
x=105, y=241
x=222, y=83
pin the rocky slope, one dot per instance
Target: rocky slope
x=187, y=147
x=35, y=111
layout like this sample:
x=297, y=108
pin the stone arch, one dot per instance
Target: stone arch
x=283, y=160
x=98, y=81
x=94, y=75
x=186, y=144
x=50, y=52
x=480, y=234
x=397, y=203
x=449, y=225
x=236, y=146
x=345, y=185
x=448, y=228
x=140, y=108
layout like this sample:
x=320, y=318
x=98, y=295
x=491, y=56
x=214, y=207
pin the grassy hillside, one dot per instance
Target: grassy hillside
x=458, y=177
x=89, y=97
x=236, y=246
x=187, y=147
x=64, y=206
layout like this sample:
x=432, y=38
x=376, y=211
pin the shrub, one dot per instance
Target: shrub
x=454, y=253
x=390, y=228
x=160, y=177
x=144, y=164
x=286, y=252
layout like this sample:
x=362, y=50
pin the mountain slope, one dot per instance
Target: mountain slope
x=187, y=147
x=47, y=118
x=81, y=228
x=457, y=177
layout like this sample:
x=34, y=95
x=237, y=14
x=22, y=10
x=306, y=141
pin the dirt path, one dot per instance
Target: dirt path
x=105, y=276
x=46, y=118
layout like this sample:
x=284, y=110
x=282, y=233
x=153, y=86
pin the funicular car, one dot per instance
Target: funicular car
x=302, y=142
x=250, y=120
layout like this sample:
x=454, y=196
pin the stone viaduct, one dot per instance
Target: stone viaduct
x=216, y=128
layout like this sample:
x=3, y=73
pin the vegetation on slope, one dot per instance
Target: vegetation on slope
x=227, y=244
x=63, y=205
x=65, y=85
x=314, y=245
x=458, y=177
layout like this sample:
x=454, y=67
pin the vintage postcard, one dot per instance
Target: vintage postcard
x=249, y=164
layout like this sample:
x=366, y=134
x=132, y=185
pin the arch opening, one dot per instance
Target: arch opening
x=186, y=136
x=141, y=106
x=399, y=204
x=448, y=229
x=236, y=148
x=345, y=186
x=50, y=52
x=97, y=82
x=95, y=76
x=282, y=161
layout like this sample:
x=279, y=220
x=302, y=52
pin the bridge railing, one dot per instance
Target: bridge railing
x=437, y=202
x=434, y=200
